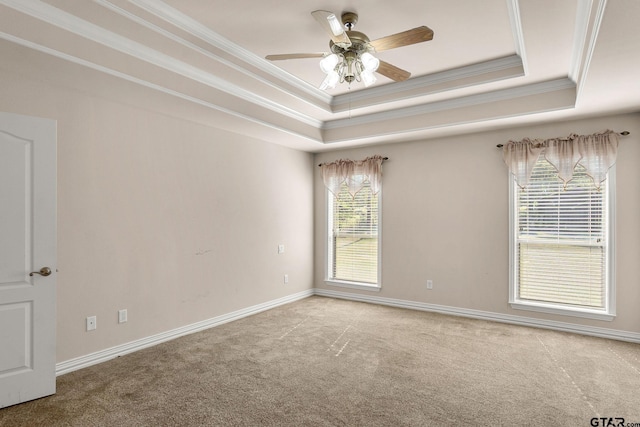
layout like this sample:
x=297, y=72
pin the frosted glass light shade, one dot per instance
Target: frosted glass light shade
x=329, y=62
x=330, y=81
x=368, y=78
x=369, y=62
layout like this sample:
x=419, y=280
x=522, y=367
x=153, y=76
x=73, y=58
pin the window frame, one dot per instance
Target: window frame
x=609, y=311
x=375, y=287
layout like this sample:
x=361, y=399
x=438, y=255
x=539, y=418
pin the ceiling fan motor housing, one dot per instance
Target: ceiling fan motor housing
x=359, y=43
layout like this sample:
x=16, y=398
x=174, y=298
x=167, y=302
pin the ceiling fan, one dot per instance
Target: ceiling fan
x=351, y=57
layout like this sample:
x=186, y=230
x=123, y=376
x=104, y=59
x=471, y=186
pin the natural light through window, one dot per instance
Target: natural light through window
x=353, y=230
x=561, y=244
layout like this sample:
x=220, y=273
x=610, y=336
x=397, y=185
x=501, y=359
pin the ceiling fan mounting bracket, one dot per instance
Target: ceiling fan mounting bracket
x=349, y=20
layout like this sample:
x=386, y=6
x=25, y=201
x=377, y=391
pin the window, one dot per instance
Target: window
x=561, y=253
x=353, y=246
x=353, y=221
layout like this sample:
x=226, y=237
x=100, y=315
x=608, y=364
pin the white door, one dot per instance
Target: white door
x=27, y=244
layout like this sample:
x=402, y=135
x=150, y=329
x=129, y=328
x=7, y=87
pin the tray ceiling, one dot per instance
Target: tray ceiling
x=490, y=64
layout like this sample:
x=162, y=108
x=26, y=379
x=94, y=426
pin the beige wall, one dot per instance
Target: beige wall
x=445, y=218
x=175, y=221
x=164, y=214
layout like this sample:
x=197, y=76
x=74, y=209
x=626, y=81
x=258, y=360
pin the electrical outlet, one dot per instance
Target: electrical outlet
x=280, y=249
x=92, y=323
x=429, y=284
x=286, y=278
x=122, y=316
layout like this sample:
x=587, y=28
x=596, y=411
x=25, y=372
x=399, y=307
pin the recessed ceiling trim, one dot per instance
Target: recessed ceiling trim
x=420, y=86
x=581, y=69
x=88, y=30
x=145, y=83
x=518, y=35
x=140, y=21
x=408, y=133
x=465, y=101
x=186, y=23
x=581, y=34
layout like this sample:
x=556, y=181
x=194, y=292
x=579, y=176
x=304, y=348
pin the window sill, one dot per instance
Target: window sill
x=353, y=285
x=564, y=311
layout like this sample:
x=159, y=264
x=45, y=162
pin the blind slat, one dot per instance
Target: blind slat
x=561, y=240
x=353, y=239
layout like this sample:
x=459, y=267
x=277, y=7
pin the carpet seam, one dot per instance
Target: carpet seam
x=624, y=360
x=576, y=386
x=294, y=328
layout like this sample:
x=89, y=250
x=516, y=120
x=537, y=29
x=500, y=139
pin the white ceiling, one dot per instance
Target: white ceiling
x=491, y=63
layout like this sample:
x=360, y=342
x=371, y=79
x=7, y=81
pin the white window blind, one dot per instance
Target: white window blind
x=561, y=240
x=353, y=236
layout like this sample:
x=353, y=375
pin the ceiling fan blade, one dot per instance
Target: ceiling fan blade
x=405, y=38
x=294, y=56
x=333, y=27
x=393, y=72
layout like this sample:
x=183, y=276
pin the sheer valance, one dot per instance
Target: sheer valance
x=596, y=153
x=354, y=173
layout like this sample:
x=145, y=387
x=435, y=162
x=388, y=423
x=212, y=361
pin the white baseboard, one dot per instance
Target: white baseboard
x=486, y=315
x=120, y=350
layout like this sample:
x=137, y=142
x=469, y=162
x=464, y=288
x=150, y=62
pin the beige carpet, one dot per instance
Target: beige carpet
x=326, y=362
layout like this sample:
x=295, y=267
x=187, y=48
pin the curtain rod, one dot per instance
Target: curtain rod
x=383, y=159
x=623, y=133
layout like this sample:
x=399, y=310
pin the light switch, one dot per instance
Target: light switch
x=280, y=249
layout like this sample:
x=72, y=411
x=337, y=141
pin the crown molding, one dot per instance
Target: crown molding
x=461, y=102
x=147, y=84
x=581, y=33
x=518, y=34
x=585, y=39
x=323, y=104
x=418, y=86
x=80, y=27
x=431, y=83
x=274, y=114
x=504, y=94
x=195, y=28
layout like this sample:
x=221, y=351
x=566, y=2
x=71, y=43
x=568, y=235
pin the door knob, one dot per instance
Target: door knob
x=44, y=271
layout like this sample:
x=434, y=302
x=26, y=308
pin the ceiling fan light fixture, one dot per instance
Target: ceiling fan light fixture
x=369, y=62
x=368, y=78
x=329, y=62
x=349, y=66
x=330, y=81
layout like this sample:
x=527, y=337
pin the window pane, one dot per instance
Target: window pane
x=561, y=240
x=562, y=274
x=353, y=237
